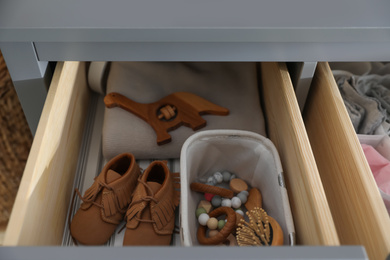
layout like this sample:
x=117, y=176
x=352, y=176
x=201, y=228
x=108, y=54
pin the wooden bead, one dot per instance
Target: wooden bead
x=213, y=233
x=167, y=112
x=206, y=205
x=212, y=223
x=238, y=185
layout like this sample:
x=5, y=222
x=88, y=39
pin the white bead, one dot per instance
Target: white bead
x=226, y=176
x=236, y=202
x=239, y=211
x=212, y=179
x=218, y=177
x=226, y=203
x=203, y=218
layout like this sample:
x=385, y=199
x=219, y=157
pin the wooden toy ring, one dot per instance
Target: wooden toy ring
x=200, y=187
x=224, y=232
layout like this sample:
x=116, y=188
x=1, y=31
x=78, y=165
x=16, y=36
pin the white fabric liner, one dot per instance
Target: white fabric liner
x=250, y=156
x=233, y=85
x=381, y=143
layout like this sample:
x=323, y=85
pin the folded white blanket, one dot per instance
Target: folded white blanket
x=228, y=84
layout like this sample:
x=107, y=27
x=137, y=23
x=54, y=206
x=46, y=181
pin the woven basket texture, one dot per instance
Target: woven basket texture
x=15, y=143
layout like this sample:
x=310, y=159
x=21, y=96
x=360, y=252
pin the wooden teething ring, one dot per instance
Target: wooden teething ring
x=225, y=231
x=200, y=187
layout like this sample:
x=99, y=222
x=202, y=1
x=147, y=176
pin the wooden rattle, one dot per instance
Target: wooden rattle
x=224, y=232
x=169, y=113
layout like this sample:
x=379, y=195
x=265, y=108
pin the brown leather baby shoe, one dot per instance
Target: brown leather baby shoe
x=151, y=214
x=105, y=202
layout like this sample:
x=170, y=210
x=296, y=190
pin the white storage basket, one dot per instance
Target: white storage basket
x=252, y=157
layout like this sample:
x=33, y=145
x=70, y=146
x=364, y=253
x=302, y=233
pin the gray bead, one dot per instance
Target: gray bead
x=210, y=183
x=245, y=192
x=216, y=201
x=242, y=197
x=233, y=176
x=226, y=176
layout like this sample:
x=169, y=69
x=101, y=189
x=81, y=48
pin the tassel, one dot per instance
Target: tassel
x=159, y=217
x=89, y=195
x=109, y=204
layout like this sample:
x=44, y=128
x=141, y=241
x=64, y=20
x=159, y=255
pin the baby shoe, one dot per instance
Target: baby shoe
x=151, y=214
x=105, y=202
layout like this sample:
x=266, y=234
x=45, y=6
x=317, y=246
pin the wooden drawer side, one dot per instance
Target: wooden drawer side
x=357, y=208
x=312, y=217
x=41, y=204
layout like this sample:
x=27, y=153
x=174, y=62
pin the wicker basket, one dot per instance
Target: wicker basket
x=15, y=143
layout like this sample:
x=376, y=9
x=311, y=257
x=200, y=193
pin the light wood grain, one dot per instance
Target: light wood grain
x=357, y=208
x=312, y=217
x=40, y=208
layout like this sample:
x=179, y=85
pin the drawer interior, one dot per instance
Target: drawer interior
x=356, y=205
x=70, y=124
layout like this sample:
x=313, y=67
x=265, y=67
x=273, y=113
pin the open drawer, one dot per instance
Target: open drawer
x=40, y=209
x=354, y=199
